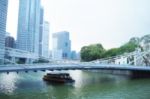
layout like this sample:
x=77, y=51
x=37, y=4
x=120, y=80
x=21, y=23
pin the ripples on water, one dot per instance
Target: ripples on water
x=7, y=83
x=88, y=85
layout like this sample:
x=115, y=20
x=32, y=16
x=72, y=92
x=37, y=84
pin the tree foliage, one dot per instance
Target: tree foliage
x=96, y=51
x=128, y=47
x=110, y=52
x=92, y=52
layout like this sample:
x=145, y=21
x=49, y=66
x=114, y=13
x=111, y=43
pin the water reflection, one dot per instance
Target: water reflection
x=83, y=78
x=8, y=83
x=77, y=76
x=88, y=85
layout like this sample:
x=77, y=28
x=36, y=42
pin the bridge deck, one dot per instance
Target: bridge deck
x=51, y=67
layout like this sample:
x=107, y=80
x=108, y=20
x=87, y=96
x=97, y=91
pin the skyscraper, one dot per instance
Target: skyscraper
x=44, y=43
x=45, y=40
x=28, y=25
x=3, y=18
x=41, y=30
x=61, y=45
x=43, y=36
x=9, y=41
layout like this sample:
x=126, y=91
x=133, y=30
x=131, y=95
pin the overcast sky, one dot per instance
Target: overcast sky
x=109, y=22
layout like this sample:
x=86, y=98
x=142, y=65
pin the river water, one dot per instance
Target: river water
x=88, y=85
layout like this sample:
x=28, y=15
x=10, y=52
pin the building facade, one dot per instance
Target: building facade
x=45, y=40
x=28, y=25
x=3, y=18
x=57, y=55
x=41, y=30
x=61, y=45
x=43, y=36
x=10, y=42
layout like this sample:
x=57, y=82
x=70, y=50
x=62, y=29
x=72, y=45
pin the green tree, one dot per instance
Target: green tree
x=96, y=51
x=128, y=47
x=111, y=52
x=92, y=52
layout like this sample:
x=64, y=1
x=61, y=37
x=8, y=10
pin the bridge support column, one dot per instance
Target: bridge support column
x=13, y=59
x=28, y=61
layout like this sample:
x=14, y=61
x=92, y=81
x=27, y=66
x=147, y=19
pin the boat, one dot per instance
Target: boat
x=58, y=78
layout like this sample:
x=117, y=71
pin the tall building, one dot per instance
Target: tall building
x=61, y=45
x=43, y=36
x=44, y=40
x=73, y=55
x=28, y=25
x=41, y=30
x=3, y=18
x=9, y=42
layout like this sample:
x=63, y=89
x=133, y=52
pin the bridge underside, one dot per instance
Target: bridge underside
x=132, y=71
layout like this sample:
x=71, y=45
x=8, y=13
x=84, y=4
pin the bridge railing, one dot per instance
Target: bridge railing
x=136, y=55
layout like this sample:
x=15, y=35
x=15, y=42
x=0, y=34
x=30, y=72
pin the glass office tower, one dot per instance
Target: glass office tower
x=3, y=18
x=28, y=25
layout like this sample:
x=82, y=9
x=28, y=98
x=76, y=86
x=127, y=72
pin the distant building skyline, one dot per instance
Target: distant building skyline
x=61, y=44
x=74, y=55
x=28, y=25
x=109, y=22
x=3, y=18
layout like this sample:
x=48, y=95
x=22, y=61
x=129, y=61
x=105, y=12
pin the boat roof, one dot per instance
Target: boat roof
x=63, y=74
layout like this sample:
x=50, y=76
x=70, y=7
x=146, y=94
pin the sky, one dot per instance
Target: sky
x=109, y=22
